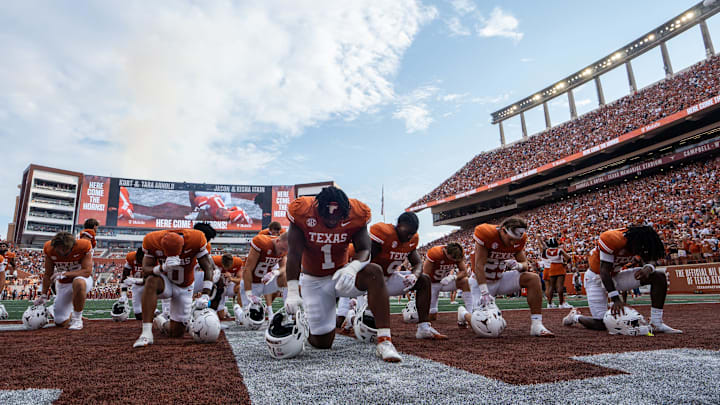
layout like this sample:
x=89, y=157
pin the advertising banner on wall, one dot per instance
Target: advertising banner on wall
x=693, y=278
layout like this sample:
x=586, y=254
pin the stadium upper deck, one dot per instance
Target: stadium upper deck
x=691, y=93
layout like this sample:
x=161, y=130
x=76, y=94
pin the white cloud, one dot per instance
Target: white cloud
x=463, y=7
x=500, y=24
x=527, y=60
x=416, y=117
x=413, y=109
x=453, y=97
x=457, y=28
x=191, y=91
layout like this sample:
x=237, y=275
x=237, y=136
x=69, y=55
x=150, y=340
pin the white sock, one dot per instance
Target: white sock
x=424, y=325
x=536, y=317
x=656, y=316
x=78, y=315
x=468, y=299
x=463, y=311
x=147, y=329
x=383, y=332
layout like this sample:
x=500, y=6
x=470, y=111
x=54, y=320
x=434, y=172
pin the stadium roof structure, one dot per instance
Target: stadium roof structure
x=658, y=36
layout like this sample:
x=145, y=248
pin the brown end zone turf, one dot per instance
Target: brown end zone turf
x=99, y=365
x=518, y=358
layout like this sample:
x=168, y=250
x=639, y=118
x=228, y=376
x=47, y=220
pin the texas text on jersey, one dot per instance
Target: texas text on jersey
x=326, y=248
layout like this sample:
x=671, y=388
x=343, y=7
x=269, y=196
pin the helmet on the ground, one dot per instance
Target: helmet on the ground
x=285, y=336
x=35, y=317
x=364, y=325
x=255, y=315
x=630, y=323
x=410, y=313
x=487, y=321
x=205, y=326
x=120, y=311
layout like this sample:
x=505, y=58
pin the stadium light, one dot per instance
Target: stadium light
x=669, y=29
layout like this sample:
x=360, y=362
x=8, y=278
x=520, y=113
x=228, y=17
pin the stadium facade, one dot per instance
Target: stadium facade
x=53, y=200
x=688, y=134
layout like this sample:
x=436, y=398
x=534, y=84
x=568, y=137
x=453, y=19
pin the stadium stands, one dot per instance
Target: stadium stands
x=695, y=84
x=682, y=204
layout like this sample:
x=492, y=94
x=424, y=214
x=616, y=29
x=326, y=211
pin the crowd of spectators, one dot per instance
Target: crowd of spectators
x=32, y=226
x=683, y=205
x=697, y=83
x=47, y=185
x=49, y=214
x=53, y=201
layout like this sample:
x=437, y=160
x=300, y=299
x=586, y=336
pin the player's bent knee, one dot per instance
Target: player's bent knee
x=322, y=341
x=78, y=284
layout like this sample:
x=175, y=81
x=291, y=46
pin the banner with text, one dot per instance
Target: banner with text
x=171, y=205
x=693, y=278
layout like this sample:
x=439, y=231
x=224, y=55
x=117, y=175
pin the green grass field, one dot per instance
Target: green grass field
x=100, y=309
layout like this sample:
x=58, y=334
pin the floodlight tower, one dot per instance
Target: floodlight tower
x=696, y=15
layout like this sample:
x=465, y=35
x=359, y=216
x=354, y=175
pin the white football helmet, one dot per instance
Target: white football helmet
x=629, y=323
x=285, y=336
x=3, y=312
x=410, y=313
x=239, y=315
x=205, y=326
x=364, y=325
x=120, y=311
x=255, y=315
x=487, y=321
x=35, y=317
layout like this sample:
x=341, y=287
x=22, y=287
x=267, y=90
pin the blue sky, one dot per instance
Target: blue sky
x=367, y=93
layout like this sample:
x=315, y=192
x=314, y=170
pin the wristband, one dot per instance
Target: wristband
x=292, y=286
x=484, y=289
x=157, y=270
x=207, y=285
x=613, y=294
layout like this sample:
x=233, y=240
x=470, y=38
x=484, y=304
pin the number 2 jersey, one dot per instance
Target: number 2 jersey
x=326, y=248
x=194, y=247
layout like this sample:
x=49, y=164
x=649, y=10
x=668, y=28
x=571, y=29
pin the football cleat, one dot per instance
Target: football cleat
x=462, y=323
x=143, y=341
x=538, y=329
x=569, y=319
x=161, y=323
x=663, y=328
x=565, y=305
x=76, y=324
x=429, y=333
x=551, y=306
x=386, y=351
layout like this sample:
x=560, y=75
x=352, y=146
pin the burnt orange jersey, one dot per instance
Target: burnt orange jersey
x=326, y=248
x=195, y=247
x=89, y=234
x=132, y=265
x=237, y=265
x=441, y=264
x=393, y=253
x=351, y=252
x=266, y=232
x=263, y=244
x=488, y=236
x=72, y=261
x=610, y=248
